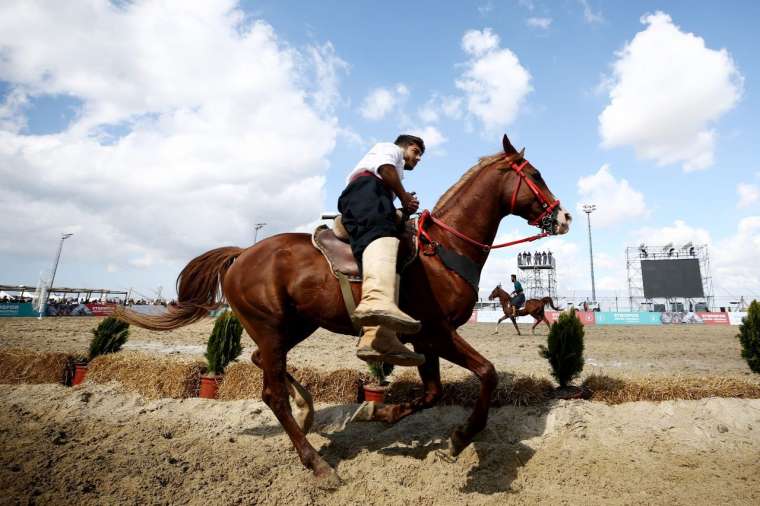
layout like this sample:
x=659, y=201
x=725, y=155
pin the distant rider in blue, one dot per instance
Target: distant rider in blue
x=518, y=296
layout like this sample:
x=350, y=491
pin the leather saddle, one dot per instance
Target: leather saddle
x=333, y=244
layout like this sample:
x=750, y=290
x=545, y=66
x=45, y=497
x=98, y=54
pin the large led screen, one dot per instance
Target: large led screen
x=672, y=278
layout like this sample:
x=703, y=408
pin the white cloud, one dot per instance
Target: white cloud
x=615, y=199
x=748, y=194
x=431, y=135
x=494, y=82
x=542, y=23
x=485, y=8
x=666, y=91
x=437, y=106
x=589, y=15
x=381, y=101
x=679, y=233
x=477, y=43
x=223, y=125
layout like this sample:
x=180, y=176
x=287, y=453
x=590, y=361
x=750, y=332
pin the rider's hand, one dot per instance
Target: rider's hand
x=410, y=203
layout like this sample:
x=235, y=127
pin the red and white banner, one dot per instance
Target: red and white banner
x=98, y=309
x=714, y=318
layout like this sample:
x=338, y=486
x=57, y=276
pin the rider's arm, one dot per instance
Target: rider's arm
x=390, y=177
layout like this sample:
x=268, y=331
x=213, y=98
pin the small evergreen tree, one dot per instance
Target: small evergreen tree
x=565, y=348
x=224, y=343
x=380, y=370
x=749, y=336
x=108, y=337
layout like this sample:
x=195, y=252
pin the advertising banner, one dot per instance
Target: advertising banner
x=675, y=317
x=627, y=318
x=715, y=318
x=100, y=309
x=586, y=317
x=17, y=309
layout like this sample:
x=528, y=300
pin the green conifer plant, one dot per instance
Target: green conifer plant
x=380, y=371
x=564, y=349
x=108, y=337
x=224, y=343
x=749, y=336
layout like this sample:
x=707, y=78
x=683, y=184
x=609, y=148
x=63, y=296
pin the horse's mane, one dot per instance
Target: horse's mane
x=465, y=180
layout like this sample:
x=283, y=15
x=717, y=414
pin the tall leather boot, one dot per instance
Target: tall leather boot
x=380, y=344
x=379, y=280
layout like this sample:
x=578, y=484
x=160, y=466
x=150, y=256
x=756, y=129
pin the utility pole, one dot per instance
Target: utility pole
x=588, y=209
x=256, y=228
x=55, y=268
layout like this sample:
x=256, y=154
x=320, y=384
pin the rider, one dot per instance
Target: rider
x=518, y=296
x=368, y=214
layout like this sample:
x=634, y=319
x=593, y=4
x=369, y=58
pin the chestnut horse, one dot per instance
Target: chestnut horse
x=282, y=290
x=533, y=307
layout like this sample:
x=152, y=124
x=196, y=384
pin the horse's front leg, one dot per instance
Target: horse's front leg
x=430, y=374
x=458, y=351
x=498, y=322
x=514, y=322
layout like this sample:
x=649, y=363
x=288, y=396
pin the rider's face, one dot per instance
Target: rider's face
x=412, y=155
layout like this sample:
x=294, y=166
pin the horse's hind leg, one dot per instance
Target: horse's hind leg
x=458, y=351
x=514, y=322
x=304, y=412
x=496, y=331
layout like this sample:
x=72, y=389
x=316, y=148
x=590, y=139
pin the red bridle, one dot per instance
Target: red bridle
x=544, y=220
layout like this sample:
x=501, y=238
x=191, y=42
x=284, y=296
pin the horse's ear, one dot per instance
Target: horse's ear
x=508, y=147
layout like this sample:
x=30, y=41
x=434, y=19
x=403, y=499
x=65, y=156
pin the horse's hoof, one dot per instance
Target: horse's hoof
x=457, y=443
x=328, y=479
x=365, y=412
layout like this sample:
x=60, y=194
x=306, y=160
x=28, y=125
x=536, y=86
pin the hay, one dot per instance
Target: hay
x=241, y=381
x=245, y=381
x=616, y=391
x=24, y=366
x=511, y=390
x=151, y=377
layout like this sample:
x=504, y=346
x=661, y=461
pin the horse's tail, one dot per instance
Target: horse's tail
x=198, y=292
x=548, y=300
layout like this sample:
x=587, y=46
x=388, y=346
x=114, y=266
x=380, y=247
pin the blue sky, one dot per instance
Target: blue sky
x=159, y=132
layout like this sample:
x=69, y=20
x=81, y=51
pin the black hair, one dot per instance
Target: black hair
x=513, y=276
x=405, y=140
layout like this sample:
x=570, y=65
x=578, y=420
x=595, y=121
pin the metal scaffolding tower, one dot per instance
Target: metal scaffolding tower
x=538, y=271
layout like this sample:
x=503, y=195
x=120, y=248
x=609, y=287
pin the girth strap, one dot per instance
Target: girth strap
x=348, y=299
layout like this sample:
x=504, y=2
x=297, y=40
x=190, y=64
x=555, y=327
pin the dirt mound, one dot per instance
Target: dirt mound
x=92, y=444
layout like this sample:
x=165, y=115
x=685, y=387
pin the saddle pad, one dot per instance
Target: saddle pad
x=341, y=259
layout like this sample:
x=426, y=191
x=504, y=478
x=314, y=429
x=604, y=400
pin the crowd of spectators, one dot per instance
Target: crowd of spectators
x=537, y=258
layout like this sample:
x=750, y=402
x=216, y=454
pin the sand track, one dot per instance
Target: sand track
x=92, y=445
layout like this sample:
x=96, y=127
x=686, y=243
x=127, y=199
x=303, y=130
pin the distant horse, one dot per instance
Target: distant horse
x=282, y=290
x=533, y=307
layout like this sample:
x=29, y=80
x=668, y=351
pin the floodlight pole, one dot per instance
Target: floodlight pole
x=55, y=268
x=588, y=209
x=256, y=228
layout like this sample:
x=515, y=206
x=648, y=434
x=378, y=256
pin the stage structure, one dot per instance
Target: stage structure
x=538, y=274
x=669, y=278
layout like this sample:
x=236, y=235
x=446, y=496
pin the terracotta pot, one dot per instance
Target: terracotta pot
x=209, y=386
x=374, y=393
x=80, y=373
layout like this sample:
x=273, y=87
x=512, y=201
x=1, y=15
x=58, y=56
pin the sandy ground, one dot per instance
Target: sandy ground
x=94, y=445
x=622, y=351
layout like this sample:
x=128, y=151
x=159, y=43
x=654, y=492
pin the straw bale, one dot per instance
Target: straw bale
x=616, y=391
x=241, y=381
x=150, y=376
x=511, y=390
x=245, y=381
x=25, y=366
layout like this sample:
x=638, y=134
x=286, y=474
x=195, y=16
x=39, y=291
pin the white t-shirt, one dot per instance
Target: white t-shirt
x=383, y=153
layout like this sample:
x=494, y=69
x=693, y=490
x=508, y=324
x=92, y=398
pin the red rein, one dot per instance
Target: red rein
x=548, y=209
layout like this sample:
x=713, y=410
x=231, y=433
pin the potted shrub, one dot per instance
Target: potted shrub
x=108, y=337
x=222, y=348
x=564, y=351
x=376, y=388
x=749, y=336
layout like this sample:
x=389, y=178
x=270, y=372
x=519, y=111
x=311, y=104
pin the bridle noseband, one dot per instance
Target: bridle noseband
x=545, y=221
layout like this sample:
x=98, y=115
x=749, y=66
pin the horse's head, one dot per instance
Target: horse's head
x=495, y=292
x=525, y=194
